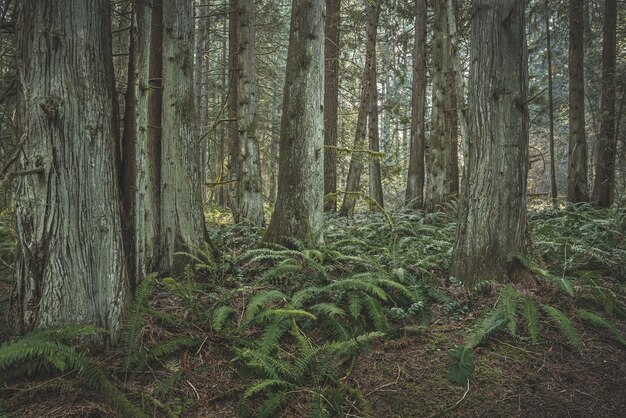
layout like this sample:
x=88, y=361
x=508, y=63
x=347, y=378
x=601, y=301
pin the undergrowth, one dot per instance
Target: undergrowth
x=293, y=321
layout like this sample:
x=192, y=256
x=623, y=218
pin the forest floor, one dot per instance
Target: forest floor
x=403, y=374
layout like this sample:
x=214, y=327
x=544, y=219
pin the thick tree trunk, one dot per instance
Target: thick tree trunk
x=331, y=103
x=603, y=187
x=375, y=180
x=415, y=177
x=443, y=176
x=182, y=217
x=553, y=191
x=71, y=265
x=247, y=199
x=577, y=189
x=138, y=202
x=299, y=205
x=359, y=154
x=492, y=218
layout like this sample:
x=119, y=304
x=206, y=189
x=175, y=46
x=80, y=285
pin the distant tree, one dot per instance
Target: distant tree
x=331, y=102
x=247, y=198
x=577, y=188
x=181, y=213
x=298, y=213
x=603, y=187
x=492, y=212
x=553, y=190
x=375, y=178
x=359, y=151
x=443, y=166
x=415, y=177
x=71, y=266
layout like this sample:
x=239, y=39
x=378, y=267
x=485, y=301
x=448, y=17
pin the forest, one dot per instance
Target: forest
x=321, y=208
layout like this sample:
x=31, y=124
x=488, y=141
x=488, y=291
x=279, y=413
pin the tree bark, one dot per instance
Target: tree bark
x=233, y=87
x=553, y=190
x=247, y=198
x=443, y=176
x=603, y=187
x=137, y=198
x=299, y=205
x=415, y=177
x=492, y=218
x=153, y=162
x=375, y=180
x=182, y=217
x=71, y=266
x=359, y=156
x=331, y=102
x=577, y=188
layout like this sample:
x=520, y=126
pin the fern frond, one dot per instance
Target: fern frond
x=532, y=319
x=284, y=313
x=220, y=315
x=329, y=309
x=508, y=305
x=272, y=334
x=490, y=323
x=599, y=321
x=264, y=385
x=261, y=299
x=462, y=364
x=564, y=324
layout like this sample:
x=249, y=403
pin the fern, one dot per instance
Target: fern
x=462, y=364
x=489, y=324
x=532, y=319
x=131, y=331
x=220, y=315
x=597, y=320
x=564, y=324
x=508, y=306
x=47, y=348
x=261, y=299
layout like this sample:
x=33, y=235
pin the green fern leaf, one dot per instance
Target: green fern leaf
x=532, y=319
x=599, y=321
x=462, y=365
x=329, y=309
x=220, y=315
x=508, y=305
x=489, y=324
x=264, y=385
x=261, y=299
x=564, y=324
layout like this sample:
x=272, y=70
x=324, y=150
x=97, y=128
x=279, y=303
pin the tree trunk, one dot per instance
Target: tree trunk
x=359, y=154
x=331, y=103
x=153, y=161
x=71, y=266
x=375, y=180
x=553, y=190
x=415, y=177
x=603, y=187
x=443, y=176
x=200, y=94
x=248, y=192
x=492, y=218
x=299, y=205
x=138, y=202
x=182, y=217
x=233, y=87
x=577, y=189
